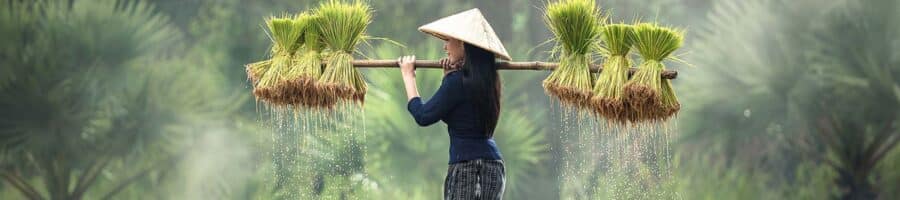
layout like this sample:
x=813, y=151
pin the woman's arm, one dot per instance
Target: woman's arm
x=408, y=71
x=448, y=95
x=441, y=103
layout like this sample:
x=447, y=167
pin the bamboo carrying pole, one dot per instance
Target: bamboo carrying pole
x=503, y=65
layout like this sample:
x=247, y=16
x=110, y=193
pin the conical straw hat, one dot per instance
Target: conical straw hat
x=470, y=27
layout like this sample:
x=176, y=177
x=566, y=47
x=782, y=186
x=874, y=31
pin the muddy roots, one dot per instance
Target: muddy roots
x=613, y=110
x=644, y=103
x=569, y=96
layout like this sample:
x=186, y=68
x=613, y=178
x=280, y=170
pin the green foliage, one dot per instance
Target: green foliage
x=703, y=178
x=679, y=12
x=83, y=97
x=15, y=16
x=818, y=86
x=889, y=177
x=68, y=89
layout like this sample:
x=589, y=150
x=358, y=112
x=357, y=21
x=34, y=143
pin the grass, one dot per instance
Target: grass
x=608, y=100
x=650, y=97
x=575, y=25
x=342, y=27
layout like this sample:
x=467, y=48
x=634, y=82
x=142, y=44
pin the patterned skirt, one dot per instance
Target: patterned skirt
x=475, y=179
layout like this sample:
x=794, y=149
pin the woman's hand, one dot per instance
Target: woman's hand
x=448, y=66
x=408, y=70
x=407, y=65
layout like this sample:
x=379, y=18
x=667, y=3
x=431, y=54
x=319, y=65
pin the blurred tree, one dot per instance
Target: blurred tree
x=815, y=80
x=90, y=92
x=227, y=34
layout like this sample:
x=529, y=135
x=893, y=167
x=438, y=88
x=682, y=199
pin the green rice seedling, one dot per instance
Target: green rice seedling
x=301, y=84
x=284, y=33
x=608, y=100
x=575, y=25
x=650, y=97
x=343, y=26
x=670, y=104
x=257, y=70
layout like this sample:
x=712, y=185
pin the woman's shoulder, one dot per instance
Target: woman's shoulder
x=453, y=76
x=453, y=79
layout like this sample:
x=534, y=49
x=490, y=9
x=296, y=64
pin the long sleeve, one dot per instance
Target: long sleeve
x=442, y=102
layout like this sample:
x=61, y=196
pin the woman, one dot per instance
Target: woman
x=468, y=101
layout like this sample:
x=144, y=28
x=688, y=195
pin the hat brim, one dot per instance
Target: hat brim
x=470, y=27
x=445, y=37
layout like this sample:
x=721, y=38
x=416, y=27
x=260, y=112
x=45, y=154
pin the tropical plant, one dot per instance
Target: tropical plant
x=818, y=86
x=82, y=99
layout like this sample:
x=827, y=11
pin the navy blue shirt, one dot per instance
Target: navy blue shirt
x=452, y=105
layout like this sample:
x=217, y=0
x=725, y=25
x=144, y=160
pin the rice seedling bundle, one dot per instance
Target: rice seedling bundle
x=650, y=97
x=575, y=25
x=608, y=100
x=301, y=85
x=343, y=26
x=284, y=33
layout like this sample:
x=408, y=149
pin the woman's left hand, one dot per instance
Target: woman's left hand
x=448, y=66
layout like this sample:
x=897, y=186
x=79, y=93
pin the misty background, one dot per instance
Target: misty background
x=148, y=99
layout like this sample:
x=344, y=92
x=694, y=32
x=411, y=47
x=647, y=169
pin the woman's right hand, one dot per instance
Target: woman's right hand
x=408, y=71
x=407, y=64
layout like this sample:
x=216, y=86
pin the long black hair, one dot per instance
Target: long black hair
x=481, y=78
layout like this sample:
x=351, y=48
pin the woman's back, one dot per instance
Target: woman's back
x=451, y=104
